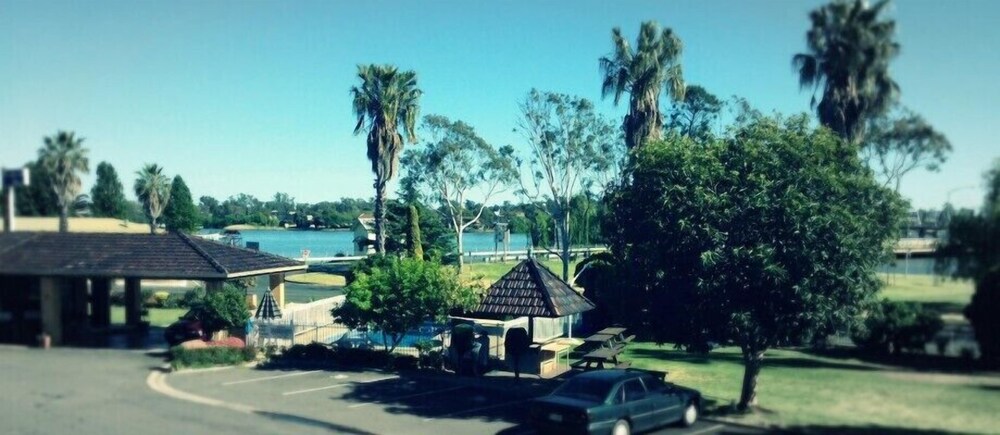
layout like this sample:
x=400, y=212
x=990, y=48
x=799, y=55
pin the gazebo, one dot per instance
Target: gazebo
x=58, y=284
x=531, y=290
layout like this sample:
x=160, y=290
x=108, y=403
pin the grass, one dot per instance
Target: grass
x=797, y=389
x=157, y=316
x=491, y=272
x=947, y=295
x=317, y=278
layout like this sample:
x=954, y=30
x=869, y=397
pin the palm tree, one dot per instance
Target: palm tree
x=64, y=157
x=386, y=101
x=849, y=49
x=653, y=65
x=153, y=189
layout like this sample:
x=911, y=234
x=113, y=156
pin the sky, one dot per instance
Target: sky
x=253, y=96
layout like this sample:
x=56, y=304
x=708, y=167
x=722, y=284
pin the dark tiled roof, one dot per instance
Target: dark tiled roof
x=530, y=289
x=171, y=256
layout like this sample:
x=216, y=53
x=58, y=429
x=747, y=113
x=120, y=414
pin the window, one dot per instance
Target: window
x=654, y=384
x=633, y=390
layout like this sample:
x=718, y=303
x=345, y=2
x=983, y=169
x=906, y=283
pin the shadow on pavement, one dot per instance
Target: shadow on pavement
x=336, y=428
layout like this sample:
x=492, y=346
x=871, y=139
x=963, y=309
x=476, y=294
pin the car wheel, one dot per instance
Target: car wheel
x=621, y=428
x=690, y=414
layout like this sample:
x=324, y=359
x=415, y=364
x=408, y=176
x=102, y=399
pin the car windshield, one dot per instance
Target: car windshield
x=593, y=390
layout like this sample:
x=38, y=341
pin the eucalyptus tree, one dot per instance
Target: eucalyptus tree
x=108, y=194
x=386, y=101
x=655, y=63
x=152, y=187
x=901, y=142
x=460, y=171
x=849, y=49
x=568, y=143
x=64, y=158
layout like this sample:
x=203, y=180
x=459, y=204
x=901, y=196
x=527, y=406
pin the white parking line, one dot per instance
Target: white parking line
x=425, y=393
x=708, y=429
x=482, y=408
x=328, y=387
x=268, y=378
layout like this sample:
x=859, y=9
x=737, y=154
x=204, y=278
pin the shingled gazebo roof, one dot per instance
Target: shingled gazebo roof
x=531, y=289
x=165, y=256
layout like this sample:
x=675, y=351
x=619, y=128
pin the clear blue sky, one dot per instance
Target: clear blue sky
x=252, y=96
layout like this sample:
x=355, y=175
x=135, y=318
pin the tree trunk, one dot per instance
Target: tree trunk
x=458, y=243
x=152, y=225
x=379, y=216
x=752, y=360
x=565, y=241
x=64, y=218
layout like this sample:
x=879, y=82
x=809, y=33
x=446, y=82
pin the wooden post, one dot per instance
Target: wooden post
x=277, y=286
x=100, y=302
x=133, y=301
x=51, y=300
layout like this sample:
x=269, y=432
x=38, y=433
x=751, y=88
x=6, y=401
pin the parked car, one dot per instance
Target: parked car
x=184, y=330
x=615, y=402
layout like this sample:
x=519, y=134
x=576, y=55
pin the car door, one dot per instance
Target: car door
x=638, y=404
x=666, y=404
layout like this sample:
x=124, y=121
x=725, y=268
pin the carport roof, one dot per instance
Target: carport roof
x=165, y=256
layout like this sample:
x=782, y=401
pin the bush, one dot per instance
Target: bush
x=211, y=356
x=982, y=314
x=892, y=327
x=191, y=297
x=224, y=309
x=358, y=357
x=172, y=301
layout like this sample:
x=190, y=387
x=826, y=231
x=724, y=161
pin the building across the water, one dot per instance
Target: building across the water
x=57, y=286
x=364, y=235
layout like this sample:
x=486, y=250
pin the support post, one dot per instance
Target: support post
x=133, y=301
x=277, y=286
x=8, y=221
x=51, y=301
x=100, y=302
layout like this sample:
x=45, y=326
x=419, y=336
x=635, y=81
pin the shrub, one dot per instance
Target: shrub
x=223, y=309
x=191, y=297
x=892, y=327
x=172, y=301
x=210, y=356
x=160, y=298
x=307, y=352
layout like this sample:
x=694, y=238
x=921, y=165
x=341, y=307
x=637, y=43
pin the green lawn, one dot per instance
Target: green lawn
x=947, y=295
x=493, y=271
x=797, y=389
x=157, y=316
x=317, y=278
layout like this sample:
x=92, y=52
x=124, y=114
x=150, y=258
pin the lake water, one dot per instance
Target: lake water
x=290, y=243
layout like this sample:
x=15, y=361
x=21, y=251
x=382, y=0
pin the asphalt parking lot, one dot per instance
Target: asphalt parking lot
x=376, y=402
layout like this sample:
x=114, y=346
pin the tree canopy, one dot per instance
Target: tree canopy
x=180, y=214
x=108, y=195
x=695, y=113
x=64, y=159
x=722, y=243
x=901, y=142
x=152, y=187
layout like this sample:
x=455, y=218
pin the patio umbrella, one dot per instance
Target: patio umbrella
x=267, y=311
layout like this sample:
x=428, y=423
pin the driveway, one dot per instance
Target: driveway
x=103, y=391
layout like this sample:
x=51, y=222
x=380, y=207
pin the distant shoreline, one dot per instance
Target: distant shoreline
x=245, y=227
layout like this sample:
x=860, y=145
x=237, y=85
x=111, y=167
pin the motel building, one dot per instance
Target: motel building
x=57, y=286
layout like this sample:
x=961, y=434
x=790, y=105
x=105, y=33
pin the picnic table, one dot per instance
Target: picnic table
x=601, y=356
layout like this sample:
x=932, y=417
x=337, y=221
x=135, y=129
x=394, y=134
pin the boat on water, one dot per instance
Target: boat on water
x=229, y=237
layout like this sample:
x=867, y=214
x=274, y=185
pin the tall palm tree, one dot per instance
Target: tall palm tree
x=655, y=64
x=153, y=189
x=386, y=101
x=849, y=49
x=64, y=158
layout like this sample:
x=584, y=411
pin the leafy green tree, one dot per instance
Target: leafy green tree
x=898, y=144
x=211, y=212
x=849, y=50
x=566, y=138
x=39, y=197
x=152, y=188
x=395, y=295
x=723, y=243
x=387, y=101
x=971, y=251
x=220, y=310
x=694, y=114
x=180, y=214
x=435, y=238
x=108, y=195
x=655, y=63
x=64, y=158
x=414, y=244
x=454, y=166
